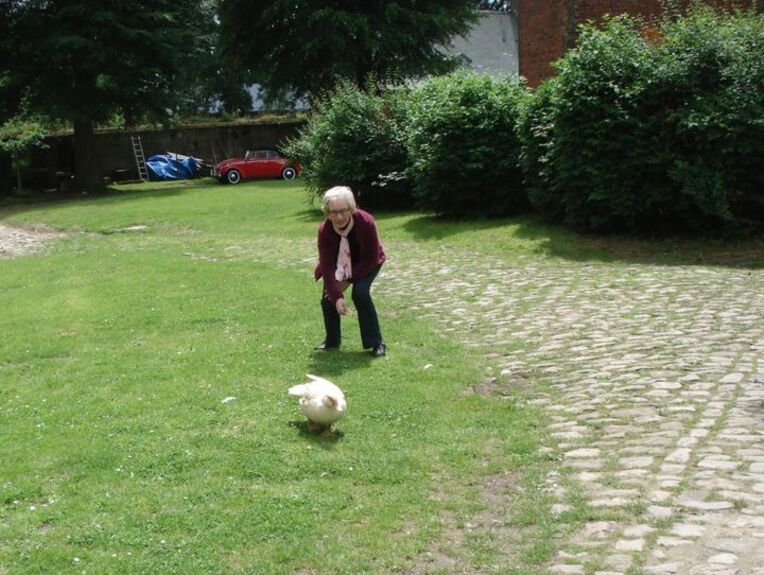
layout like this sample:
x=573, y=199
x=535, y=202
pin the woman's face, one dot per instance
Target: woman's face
x=339, y=213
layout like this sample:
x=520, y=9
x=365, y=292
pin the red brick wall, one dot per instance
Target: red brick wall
x=548, y=27
x=540, y=27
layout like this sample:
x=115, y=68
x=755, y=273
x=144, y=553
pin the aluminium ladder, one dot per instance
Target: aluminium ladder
x=140, y=160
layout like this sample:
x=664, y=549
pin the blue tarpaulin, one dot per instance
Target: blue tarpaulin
x=167, y=167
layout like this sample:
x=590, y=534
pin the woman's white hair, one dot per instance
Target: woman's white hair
x=338, y=193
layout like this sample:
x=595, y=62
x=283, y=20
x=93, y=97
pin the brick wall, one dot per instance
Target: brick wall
x=548, y=27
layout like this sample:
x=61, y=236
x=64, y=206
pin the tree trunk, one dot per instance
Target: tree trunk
x=18, y=175
x=86, y=176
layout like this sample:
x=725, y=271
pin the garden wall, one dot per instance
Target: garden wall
x=114, y=152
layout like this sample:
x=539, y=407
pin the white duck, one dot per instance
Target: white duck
x=321, y=401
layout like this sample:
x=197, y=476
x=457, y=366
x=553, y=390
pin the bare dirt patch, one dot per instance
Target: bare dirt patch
x=15, y=242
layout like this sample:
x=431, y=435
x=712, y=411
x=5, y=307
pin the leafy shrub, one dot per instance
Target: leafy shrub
x=18, y=137
x=600, y=166
x=536, y=130
x=355, y=138
x=712, y=68
x=637, y=135
x=462, y=145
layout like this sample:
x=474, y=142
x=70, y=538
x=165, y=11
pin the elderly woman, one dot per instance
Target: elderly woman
x=349, y=252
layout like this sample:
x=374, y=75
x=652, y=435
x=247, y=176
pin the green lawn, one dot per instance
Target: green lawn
x=118, y=454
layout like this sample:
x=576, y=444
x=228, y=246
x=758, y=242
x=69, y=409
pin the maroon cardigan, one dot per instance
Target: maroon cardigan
x=366, y=251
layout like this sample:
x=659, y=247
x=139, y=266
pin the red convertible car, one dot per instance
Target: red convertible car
x=256, y=164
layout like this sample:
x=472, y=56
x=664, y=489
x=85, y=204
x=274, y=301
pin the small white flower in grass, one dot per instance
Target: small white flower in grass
x=229, y=399
x=428, y=366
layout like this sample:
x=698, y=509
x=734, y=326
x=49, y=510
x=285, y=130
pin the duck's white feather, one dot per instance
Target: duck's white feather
x=320, y=400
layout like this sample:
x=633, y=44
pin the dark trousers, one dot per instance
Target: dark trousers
x=371, y=336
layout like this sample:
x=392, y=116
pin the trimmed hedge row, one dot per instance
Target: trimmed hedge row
x=637, y=135
x=463, y=148
x=630, y=134
x=447, y=145
x=355, y=138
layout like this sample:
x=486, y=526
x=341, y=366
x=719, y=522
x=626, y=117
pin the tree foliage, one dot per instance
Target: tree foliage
x=18, y=137
x=497, y=5
x=304, y=47
x=84, y=61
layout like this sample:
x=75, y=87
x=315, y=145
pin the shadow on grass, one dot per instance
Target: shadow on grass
x=307, y=215
x=327, y=440
x=430, y=227
x=553, y=240
x=330, y=364
x=116, y=193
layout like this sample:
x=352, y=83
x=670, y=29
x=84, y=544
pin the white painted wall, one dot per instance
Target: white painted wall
x=491, y=47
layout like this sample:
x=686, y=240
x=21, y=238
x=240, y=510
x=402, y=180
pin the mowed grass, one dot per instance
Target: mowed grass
x=118, y=453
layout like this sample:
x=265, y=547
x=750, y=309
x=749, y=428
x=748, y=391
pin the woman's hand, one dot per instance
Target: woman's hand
x=342, y=307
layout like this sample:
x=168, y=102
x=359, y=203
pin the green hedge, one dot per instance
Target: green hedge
x=597, y=139
x=355, y=138
x=463, y=147
x=634, y=135
x=713, y=69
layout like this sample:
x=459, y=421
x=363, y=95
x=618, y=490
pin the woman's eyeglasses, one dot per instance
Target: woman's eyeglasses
x=338, y=212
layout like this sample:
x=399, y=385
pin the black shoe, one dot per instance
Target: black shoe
x=379, y=350
x=323, y=346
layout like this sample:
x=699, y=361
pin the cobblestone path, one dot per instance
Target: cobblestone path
x=655, y=395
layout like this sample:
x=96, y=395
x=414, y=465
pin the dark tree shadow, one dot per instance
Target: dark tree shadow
x=114, y=194
x=663, y=249
x=307, y=215
x=430, y=227
x=558, y=241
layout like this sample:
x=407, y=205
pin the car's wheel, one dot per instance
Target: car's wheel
x=289, y=173
x=233, y=177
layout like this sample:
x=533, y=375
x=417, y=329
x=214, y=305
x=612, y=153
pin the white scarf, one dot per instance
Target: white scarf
x=344, y=268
